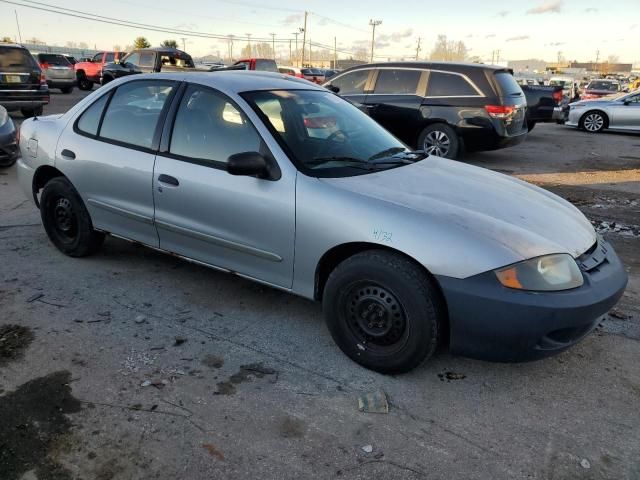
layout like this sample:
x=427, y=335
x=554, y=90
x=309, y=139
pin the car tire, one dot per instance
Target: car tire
x=84, y=83
x=67, y=90
x=32, y=112
x=8, y=162
x=106, y=79
x=66, y=219
x=441, y=140
x=594, y=121
x=383, y=311
x=531, y=126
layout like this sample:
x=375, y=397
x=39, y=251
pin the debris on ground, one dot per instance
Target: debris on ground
x=35, y=297
x=213, y=361
x=603, y=227
x=448, y=376
x=247, y=372
x=14, y=340
x=140, y=319
x=584, y=463
x=367, y=448
x=213, y=451
x=179, y=341
x=616, y=313
x=373, y=402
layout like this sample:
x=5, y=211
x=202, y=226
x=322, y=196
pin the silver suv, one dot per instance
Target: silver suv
x=282, y=182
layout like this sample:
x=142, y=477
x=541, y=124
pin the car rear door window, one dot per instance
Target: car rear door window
x=210, y=128
x=266, y=65
x=443, y=84
x=97, y=58
x=133, y=113
x=352, y=83
x=90, y=120
x=109, y=57
x=394, y=81
x=134, y=59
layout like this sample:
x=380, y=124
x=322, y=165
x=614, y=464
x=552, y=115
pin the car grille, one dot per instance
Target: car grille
x=8, y=151
x=594, y=257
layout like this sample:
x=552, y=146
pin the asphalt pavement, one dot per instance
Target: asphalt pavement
x=131, y=364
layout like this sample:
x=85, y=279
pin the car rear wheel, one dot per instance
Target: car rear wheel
x=84, y=83
x=66, y=90
x=66, y=219
x=383, y=311
x=593, y=122
x=440, y=140
x=32, y=112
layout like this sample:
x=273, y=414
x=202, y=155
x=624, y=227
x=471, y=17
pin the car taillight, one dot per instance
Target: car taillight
x=44, y=66
x=557, y=97
x=299, y=75
x=43, y=78
x=500, y=111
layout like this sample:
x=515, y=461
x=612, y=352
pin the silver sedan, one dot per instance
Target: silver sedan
x=620, y=112
x=282, y=182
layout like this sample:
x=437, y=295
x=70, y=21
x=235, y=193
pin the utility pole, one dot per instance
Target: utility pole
x=296, y=34
x=374, y=24
x=335, y=52
x=310, y=62
x=493, y=57
x=273, y=44
x=597, y=59
x=249, y=38
x=18, y=24
x=418, y=49
x=230, y=47
x=304, y=36
x=290, y=55
x=497, y=56
x=184, y=44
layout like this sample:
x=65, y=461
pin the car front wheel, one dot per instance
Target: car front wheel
x=66, y=219
x=440, y=140
x=593, y=122
x=84, y=83
x=383, y=311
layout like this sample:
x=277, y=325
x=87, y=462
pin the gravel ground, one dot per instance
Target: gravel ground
x=135, y=365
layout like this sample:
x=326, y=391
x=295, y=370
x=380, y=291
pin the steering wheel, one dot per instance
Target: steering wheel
x=330, y=144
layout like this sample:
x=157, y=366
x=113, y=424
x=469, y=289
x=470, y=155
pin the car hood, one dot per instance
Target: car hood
x=519, y=216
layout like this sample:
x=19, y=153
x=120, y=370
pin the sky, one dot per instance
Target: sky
x=520, y=29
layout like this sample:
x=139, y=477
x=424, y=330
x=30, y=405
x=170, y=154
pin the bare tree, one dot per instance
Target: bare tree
x=83, y=46
x=448, y=50
x=6, y=40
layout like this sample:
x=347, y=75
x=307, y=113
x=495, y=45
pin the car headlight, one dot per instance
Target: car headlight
x=544, y=274
x=4, y=116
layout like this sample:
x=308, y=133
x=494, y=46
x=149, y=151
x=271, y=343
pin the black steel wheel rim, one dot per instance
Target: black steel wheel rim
x=375, y=317
x=64, y=219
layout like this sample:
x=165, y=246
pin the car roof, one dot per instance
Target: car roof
x=13, y=45
x=452, y=66
x=236, y=81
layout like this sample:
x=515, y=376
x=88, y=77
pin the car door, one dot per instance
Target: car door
x=352, y=85
x=626, y=114
x=238, y=223
x=395, y=100
x=108, y=153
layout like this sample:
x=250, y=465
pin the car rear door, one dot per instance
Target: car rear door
x=108, y=154
x=239, y=223
x=395, y=100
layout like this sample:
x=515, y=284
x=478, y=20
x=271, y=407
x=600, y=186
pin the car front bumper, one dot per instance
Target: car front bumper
x=18, y=99
x=8, y=147
x=492, y=322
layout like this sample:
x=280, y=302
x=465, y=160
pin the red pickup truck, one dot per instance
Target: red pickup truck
x=89, y=73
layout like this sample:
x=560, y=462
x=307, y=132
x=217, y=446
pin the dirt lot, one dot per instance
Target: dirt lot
x=136, y=365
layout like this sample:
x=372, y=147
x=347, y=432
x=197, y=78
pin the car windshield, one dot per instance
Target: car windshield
x=53, y=59
x=609, y=86
x=327, y=136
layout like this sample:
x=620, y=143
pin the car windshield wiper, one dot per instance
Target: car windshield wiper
x=398, y=153
x=368, y=164
x=388, y=152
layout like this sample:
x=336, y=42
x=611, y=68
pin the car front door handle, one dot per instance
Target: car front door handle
x=168, y=179
x=68, y=154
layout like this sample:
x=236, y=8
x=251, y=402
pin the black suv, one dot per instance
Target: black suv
x=440, y=107
x=148, y=60
x=22, y=85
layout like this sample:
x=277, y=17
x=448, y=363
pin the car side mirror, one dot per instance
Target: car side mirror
x=251, y=164
x=627, y=102
x=333, y=88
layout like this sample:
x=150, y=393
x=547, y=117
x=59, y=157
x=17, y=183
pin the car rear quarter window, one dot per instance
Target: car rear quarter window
x=51, y=59
x=397, y=81
x=90, y=120
x=209, y=128
x=146, y=59
x=351, y=83
x=442, y=84
x=507, y=84
x=12, y=59
x=134, y=111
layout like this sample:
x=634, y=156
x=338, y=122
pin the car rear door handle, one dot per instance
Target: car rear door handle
x=168, y=179
x=68, y=154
